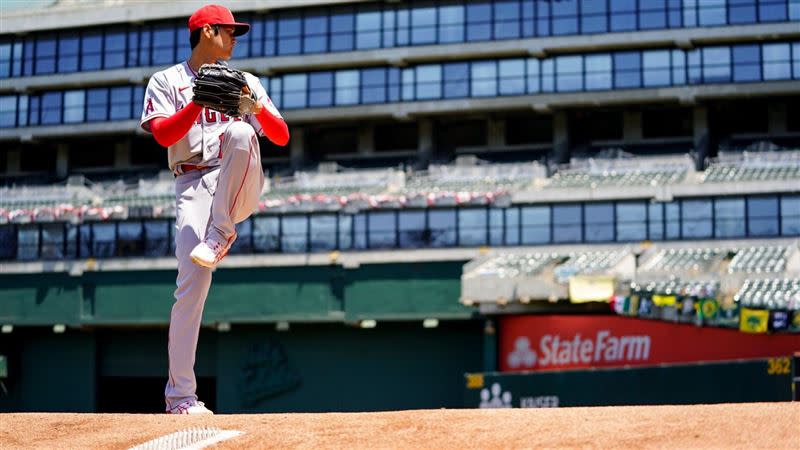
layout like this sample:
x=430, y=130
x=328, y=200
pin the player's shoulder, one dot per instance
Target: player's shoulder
x=177, y=71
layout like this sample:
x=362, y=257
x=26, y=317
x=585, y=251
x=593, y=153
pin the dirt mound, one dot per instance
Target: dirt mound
x=757, y=425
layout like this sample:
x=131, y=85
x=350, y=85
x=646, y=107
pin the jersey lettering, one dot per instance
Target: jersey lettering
x=149, y=108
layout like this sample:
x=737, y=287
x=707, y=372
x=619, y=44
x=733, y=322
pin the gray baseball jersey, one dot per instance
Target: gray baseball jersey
x=209, y=202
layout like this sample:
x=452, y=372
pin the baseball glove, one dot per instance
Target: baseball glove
x=223, y=89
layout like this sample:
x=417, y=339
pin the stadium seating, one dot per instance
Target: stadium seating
x=753, y=167
x=760, y=259
x=771, y=294
x=640, y=171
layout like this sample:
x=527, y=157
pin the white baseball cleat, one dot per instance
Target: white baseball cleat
x=190, y=407
x=208, y=253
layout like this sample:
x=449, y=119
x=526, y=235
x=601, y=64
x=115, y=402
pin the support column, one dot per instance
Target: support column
x=366, y=140
x=425, y=142
x=776, y=114
x=632, y=126
x=122, y=155
x=497, y=132
x=297, y=147
x=489, y=346
x=62, y=161
x=702, y=137
x=561, y=148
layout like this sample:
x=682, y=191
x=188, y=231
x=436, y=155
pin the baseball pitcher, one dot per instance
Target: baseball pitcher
x=208, y=116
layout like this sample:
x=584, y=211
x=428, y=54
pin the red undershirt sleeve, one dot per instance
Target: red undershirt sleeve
x=274, y=127
x=169, y=130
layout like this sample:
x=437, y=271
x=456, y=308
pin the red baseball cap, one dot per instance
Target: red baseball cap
x=216, y=15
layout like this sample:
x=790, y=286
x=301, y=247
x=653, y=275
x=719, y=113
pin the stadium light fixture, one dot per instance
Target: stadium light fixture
x=368, y=324
x=7, y=328
x=59, y=328
x=430, y=323
x=282, y=326
x=223, y=327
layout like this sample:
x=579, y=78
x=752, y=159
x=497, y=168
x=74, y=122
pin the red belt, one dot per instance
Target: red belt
x=184, y=168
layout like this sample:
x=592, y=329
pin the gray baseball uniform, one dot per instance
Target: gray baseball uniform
x=209, y=202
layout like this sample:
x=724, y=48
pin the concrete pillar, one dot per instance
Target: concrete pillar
x=426, y=141
x=14, y=161
x=297, y=147
x=496, y=129
x=702, y=136
x=366, y=140
x=632, y=126
x=776, y=114
x=62, y=161
x=561, y=146
x=122, y=155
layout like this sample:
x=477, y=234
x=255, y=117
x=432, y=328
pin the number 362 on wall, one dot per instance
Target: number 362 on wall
x=778, y=366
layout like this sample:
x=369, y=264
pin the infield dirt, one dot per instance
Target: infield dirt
x=757, y=425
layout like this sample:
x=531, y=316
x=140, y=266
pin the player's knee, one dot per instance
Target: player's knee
x=239, y=131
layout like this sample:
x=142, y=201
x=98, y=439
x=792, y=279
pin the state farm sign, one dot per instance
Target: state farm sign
x=558, y=342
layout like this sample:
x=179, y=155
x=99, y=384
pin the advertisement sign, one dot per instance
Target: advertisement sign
x=535, y=343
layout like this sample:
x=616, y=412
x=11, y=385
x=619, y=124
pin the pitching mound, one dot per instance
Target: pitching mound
x=760, y=425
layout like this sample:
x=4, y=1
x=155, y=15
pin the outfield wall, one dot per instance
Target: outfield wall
x=756, y=380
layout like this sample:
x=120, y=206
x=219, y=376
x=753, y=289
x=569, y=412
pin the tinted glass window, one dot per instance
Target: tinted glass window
x=294, y=238
x=472, y=227
x=696, y=218
x=762, y=216
x=535, y=224
x=567, y=223
x=728, y=214
x=631, y=221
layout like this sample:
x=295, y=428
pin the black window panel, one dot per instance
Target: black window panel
x=529, y=130
x=535, y=227
x=3, y=160
x=468, y=133
x=793, y=114
x=382, y=229
x=456, y=80
x=243, y=243
x=92, y=51
x=479, y=21
x=99, y=154
x=472, y=226
x=567, y=223
x=599, y=222
x=323, y=232
x=790, y=215
x=742, y=11
x=413, y=232
x=323, y=141
x=373, y=85
x=342, y=24
x=623, y=15
x=290, y=30
x=163, y=44
x=97, y=105
x=68, y=52
x=396, y=136
x=593, y=16
x=742, y=117
x=52, y=103
x=114, y=52
x=315, y=26
x=627, y=70
x=157, y=238
x=130, y=239
x=666, y=122
x=294, y=238
x=631, y=221
x=147, y=152
x=45, y=54
x=320, y=89
x=266, y=234
x=728, y=215
x=38, y=158
x=696, y=219
x=28, y=242
x=8, y=241
x=586, y=126
x=443, y=227
x=762, y=216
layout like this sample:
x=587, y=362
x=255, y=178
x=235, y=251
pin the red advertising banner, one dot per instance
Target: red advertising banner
x=529, y=343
